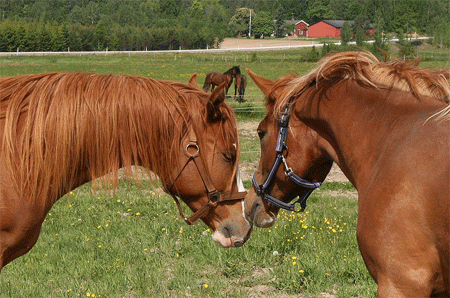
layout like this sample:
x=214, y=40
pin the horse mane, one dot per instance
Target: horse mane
x=59, y=124
x=366, y=70
x=230, y=71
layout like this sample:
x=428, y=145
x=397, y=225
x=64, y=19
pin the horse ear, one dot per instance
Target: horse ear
x=266, y=85
x=193, y=80
x=216, y=98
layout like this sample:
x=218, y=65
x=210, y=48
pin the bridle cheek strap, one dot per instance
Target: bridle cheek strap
x=215, y=197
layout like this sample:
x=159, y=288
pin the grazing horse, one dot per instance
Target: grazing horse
x=61, y=130
x=240, y=83
x=387, y=126
x=214, y=79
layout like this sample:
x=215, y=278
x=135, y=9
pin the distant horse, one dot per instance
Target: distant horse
x=214, y=79
x=240, y=83
x=387, y=126
x=61, y=130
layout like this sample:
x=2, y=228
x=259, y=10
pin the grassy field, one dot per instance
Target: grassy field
x=133, y=244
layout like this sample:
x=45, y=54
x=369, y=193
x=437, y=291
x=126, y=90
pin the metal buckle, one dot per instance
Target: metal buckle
x=194, y=146
x=214, y=196
x=298, y=207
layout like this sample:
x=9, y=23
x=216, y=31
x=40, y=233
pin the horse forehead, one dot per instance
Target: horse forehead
x=221, y=135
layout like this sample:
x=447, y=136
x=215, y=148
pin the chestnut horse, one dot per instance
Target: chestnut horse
x=240, y=84
x=61, y=130
x=387, y=126
x=214, y=79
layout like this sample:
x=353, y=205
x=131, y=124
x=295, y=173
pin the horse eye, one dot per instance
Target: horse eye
x=261, y=133
x=229, y=157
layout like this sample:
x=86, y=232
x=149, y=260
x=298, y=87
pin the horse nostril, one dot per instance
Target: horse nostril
x=253, y=210
x=238, y=243
x=226, y=232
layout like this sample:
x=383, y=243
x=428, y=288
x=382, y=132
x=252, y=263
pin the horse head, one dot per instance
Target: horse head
x=234, y=71
x=209, y=181
x=288, y=168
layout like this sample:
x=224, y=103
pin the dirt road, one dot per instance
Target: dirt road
x=246, y=43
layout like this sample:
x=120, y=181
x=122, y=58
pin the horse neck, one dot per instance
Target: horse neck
x=358, y=123
x=137, y=137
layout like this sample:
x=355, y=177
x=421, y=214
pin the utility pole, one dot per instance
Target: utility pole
x=250, y=25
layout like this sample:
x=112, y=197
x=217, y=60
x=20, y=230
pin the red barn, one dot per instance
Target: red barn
x=331, y=28
x=326, y=28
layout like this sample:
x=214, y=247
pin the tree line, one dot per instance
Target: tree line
x=43, y=37
x=85, y=25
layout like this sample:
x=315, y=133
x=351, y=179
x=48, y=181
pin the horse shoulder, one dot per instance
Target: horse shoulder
x=403, y=221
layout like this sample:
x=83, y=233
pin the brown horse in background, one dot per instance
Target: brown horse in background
x=214, y=79
x=387, y=126
x=61, y=130
x=240, y=83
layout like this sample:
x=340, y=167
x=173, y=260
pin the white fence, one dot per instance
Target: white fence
x=238, y=49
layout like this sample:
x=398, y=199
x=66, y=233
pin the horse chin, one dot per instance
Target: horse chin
x=264, y=220
x=230, y=241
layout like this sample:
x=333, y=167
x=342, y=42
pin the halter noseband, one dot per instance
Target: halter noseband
x=215, y=197
x=261, y=189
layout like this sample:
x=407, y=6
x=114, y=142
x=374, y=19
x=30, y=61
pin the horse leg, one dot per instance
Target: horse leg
x=241, y=95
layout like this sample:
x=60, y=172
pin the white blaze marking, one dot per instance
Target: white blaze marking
x=240, y=185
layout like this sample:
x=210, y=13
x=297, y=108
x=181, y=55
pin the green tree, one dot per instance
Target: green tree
x=60, y=36
x=78, y=16
x=44, y=37
x=91, y=11
x=100, y=35
x=318, y=11
x=439, y=28
x=378, y=47
x=239, y=22
x=346, y=33
x=196, y=10
x=279, y=24
x=75, y=42
x=263, y=25
x=170, y=8
x=31, y=38
x=405, y=16
x=360, y=27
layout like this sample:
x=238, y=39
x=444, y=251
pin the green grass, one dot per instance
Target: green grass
x=135, y=245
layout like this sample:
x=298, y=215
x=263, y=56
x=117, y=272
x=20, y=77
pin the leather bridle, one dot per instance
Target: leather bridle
x=281, y=153
x=215, y=197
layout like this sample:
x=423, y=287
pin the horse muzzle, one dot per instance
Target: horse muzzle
x=256, y=212
x=232, y=234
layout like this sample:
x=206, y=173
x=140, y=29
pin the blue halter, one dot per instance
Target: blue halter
x=281, y=159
